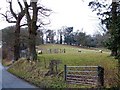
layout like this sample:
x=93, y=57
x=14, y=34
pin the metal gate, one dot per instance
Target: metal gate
x=84, y=75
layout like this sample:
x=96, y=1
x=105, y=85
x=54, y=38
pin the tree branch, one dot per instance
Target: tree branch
x=6, y=17
x=44, y=13
x=45, y=9
x=43, y=24
x=26, y=10
x=20, y=5
x=11, y=9
x=23, y=25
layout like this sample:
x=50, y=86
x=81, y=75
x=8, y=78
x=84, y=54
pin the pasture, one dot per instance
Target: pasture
x=35, y=72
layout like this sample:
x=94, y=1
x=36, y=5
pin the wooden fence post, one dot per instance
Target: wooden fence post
x=65, y=72
x=100, y=76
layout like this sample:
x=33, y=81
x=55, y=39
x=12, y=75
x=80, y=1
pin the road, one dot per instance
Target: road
x=10, y=81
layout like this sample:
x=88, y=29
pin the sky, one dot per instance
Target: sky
x=70, y=13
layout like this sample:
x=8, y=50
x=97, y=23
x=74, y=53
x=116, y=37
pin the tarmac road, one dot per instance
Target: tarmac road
x=10, y=81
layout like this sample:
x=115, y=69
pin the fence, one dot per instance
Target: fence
x=84, y=75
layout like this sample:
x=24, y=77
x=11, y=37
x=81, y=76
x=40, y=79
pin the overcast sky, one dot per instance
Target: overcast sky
x=74, y=13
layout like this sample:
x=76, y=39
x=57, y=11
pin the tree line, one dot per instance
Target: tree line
x=64, y=35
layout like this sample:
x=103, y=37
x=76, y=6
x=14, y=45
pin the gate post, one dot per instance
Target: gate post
x=100, y=76
x=65, y=72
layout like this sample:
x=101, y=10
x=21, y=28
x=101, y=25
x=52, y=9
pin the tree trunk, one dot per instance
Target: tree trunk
x=18, y=17
x=114, y=52
x=60, y=39
x=32, y=49
x=17, y=41
x=32, y=28
x=16, y=50
x=113, y=28
x=32, y=32
x=42, y=40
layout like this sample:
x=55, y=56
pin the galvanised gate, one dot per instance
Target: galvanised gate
x=84, y=75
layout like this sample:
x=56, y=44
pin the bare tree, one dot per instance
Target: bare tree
x=32, y=12
x=50, y=35
x=12, y=17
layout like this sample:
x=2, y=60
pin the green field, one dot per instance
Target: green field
x=34, y=72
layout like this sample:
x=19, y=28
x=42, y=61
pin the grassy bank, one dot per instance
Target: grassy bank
x=6, y=62
x=34, y=72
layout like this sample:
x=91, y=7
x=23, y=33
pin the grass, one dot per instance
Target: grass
x=6, y=62
x=34, y=72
